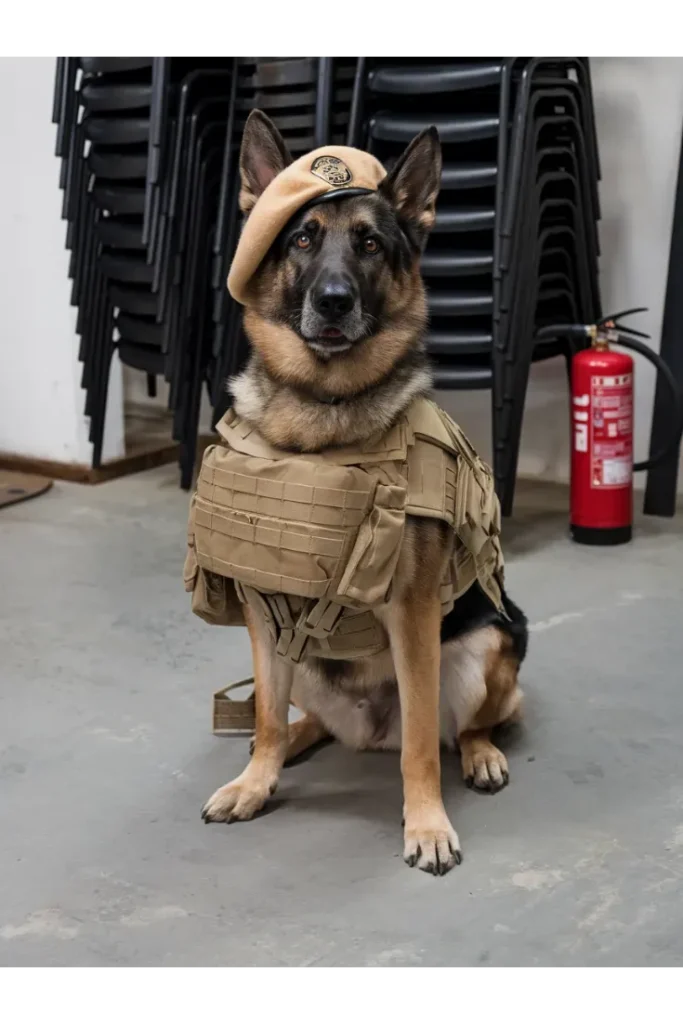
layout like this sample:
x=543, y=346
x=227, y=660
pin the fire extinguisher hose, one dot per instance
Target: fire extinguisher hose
x=617, y=337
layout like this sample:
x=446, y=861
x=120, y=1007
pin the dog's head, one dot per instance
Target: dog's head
x=344, y=275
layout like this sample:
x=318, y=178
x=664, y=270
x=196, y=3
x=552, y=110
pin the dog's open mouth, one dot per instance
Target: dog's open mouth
x=330, y=341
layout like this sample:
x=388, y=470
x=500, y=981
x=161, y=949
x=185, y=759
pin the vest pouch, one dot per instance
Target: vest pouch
x=372, y=563
x=279, y=555
x=214, y=600
x=470, y=511
x=213, y=597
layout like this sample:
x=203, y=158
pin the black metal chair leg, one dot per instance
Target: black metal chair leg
x=660, y=491
x=323, y=107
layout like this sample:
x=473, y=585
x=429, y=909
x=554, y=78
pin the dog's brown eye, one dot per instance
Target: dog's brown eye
x=371, y=246
x=303, y=241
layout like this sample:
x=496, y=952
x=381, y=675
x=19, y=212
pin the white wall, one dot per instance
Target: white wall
x=639, y=114
x=639, y=109
x=41, y=401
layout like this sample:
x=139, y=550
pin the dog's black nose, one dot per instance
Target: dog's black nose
x=333, y=299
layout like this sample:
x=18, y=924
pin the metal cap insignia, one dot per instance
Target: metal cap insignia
x=332, y=170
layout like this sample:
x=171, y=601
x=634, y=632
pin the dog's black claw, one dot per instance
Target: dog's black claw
x=458, y=856
x=469, y=781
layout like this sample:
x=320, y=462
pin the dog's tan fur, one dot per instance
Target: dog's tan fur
x=460, y=690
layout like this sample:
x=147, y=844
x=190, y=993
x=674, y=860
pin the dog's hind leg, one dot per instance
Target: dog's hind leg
x=304, y=734
x=481, y=691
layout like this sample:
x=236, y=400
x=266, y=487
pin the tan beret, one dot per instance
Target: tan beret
x=326, y=170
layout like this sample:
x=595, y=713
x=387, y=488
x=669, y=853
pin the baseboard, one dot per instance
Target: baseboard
x=135, y=461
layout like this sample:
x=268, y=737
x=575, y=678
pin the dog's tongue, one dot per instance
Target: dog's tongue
x=331, y=332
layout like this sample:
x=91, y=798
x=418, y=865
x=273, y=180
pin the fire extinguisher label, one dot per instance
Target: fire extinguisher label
x=611, y=430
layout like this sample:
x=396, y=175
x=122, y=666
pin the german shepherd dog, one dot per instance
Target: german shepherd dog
x=337, y=353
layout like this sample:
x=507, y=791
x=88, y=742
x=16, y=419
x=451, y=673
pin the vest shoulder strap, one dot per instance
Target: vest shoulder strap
x=244, y=438
x=427, y=422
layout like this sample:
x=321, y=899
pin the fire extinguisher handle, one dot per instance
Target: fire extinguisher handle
x=618, y=337
x=563, y=331
x=662, y=367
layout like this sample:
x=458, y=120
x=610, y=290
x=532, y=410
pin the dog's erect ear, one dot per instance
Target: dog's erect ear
x=413, y=184
x=263, y=155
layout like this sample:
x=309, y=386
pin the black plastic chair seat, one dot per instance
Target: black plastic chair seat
x=138, y=301
x=120, y=234
x=115, y=165
x=464, y=218
x=100, y=95
x=141, y=357
x=438, y=78
x=467, y=303
x=133, y=269
x=255, y=60
x=274, y=100
x=299, y=144
x=119, y=199
x=116, y=131
x=139, y=330
x=286, y=72
x=458, y=343
x=455, y=176
x=451, y=263
x=459, y=128
x=297, y=121
x=284, y=100
x=470, y=377
x=107, y=65
x=278, y=73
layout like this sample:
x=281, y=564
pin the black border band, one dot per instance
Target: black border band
x=597, y=535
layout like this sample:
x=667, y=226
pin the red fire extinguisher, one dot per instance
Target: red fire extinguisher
x=602, y=464
x=602, y=444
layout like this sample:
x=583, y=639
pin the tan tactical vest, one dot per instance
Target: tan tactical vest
x=313, y=540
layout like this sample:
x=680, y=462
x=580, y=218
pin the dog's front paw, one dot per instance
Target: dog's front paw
x=240, y=800
x=431, y=843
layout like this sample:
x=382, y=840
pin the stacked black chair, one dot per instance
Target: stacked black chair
x=150, y=151
x=103, y=117
x=142, y=142
x=515, y=242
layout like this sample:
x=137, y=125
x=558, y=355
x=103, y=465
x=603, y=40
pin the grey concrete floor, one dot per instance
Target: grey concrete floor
x=106, y=756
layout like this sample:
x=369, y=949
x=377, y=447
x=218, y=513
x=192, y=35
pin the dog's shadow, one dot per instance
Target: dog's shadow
x=366, y=785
